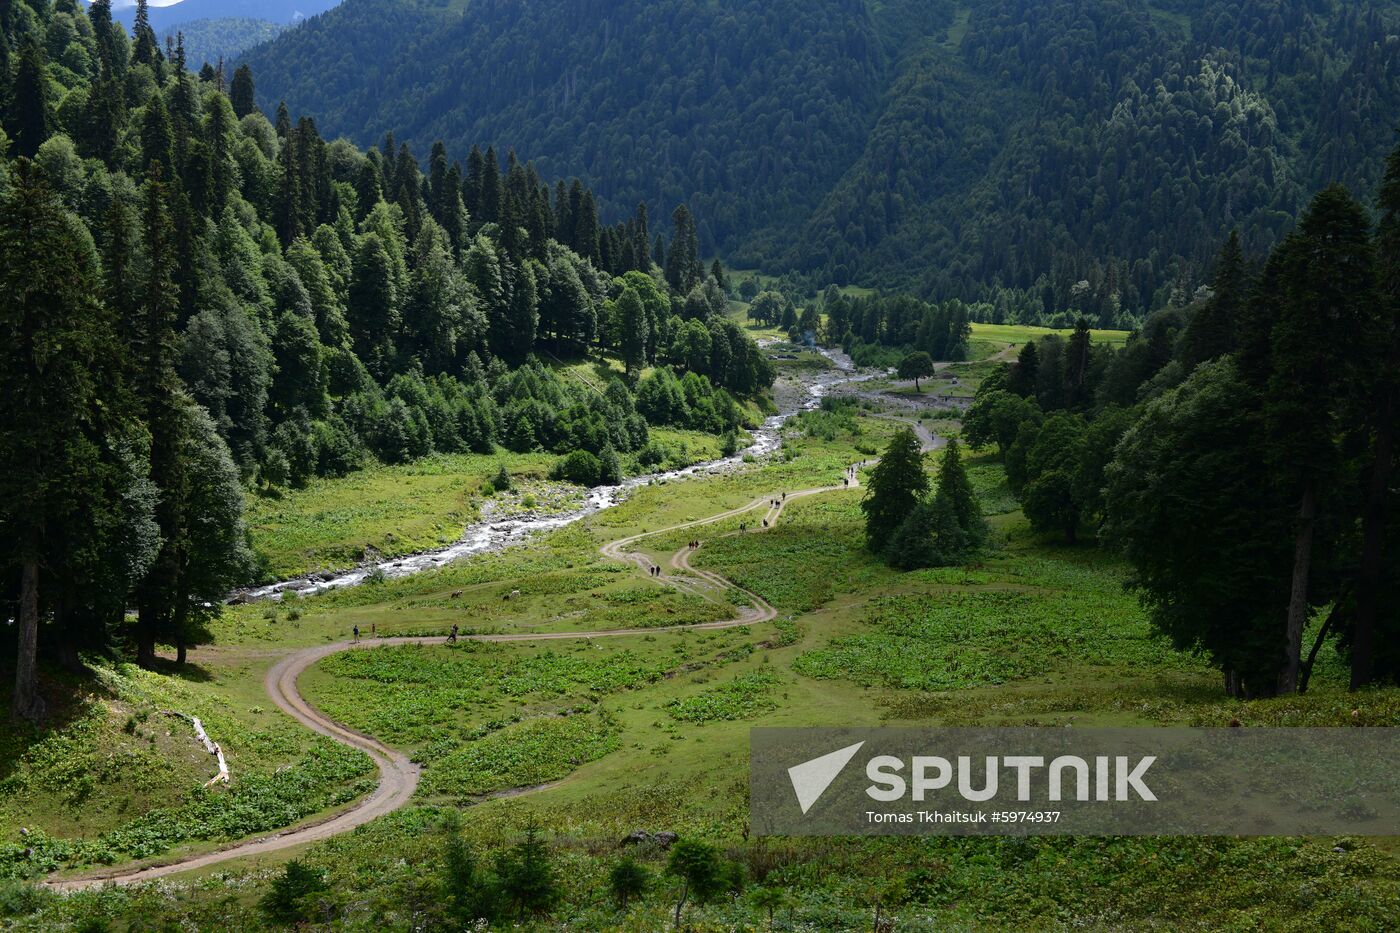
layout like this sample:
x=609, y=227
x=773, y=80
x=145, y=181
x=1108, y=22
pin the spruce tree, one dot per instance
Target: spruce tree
x=632, y=318
x=157, y=140
x=1211, y=333
x=56, y=361
x=955, y=489
x=1022, y=378
x=160, y=394
x=1380, y=399
x=492, y=199
x=147, y=49
x=896, y=485
x=1329, y=298
x=241, y=94
x=31, y=119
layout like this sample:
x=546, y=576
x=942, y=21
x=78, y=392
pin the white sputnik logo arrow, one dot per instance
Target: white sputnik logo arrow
x=811, y=778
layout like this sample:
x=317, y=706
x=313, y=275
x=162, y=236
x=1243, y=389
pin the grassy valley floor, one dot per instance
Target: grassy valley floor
x=590, y=740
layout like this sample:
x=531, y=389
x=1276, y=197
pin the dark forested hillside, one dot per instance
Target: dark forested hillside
x=197, y=299
x=1051, y=154
x=656, y=101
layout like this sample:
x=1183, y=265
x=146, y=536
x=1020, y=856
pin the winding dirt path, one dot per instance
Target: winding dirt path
x=398, y=775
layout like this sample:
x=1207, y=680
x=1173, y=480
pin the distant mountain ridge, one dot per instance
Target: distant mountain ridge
x=272, y=11
x=1090, y=151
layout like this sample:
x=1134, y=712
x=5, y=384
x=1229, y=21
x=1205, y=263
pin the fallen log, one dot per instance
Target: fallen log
x=209, y=744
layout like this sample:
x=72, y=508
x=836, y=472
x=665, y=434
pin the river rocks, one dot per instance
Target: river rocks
x=662, y=840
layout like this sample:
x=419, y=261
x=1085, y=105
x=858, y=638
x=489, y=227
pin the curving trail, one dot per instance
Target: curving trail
x=398, y=776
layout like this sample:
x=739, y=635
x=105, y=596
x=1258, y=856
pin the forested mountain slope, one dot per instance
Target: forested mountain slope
x=671, y=101
x=1085, y=153
x=199, y=301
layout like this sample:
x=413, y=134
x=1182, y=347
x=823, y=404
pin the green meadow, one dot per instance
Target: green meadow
x=592, y=739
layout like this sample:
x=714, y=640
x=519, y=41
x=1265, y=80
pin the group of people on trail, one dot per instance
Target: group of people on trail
x=373, y=633
x=655, y=571
x=694, y=544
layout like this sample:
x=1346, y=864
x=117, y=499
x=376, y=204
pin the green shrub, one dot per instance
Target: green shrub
x=292, y=896
x=579, y=467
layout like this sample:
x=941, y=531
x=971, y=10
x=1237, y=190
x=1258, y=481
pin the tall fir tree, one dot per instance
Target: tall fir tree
x=897, y=484
x=241, y=92
x=1328, y=297
x=1212, y=332
x=1381, y=401
x=159, y=392
x=31, y=119
x=53, y=346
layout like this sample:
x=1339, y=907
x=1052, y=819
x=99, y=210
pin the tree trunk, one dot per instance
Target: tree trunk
x=180, y=652
x=685, y=892
x=1322, y=634
x=28, y=706
x=146, y=635
x=1368, y=577
x=64, y=648
x=1232, y=682
x=1298, y=598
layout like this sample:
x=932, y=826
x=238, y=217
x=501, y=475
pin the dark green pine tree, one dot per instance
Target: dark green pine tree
x=56, y=360
x=283, y=123
x=1373, y=639
x=100, y=15
x=1023, y=375
x=1211, y=333
x=157, y=141
x=683, y=266
x=218, y=136
x=160, y=395
x=1329, y=300
x=290, y=212
x=492, y=198
x=717, y=273
x=241, y=92
x=896, y=485
x=472, y=185
x=586, y=229
x=454, y=219
x=373, y=310
x=438, y=188
x=955, y=489
x=641, y=242
x=1078, y=350
x=147, y=48
x=30, y=119
x=632, y=318
x=367, y=190
x=106, y=116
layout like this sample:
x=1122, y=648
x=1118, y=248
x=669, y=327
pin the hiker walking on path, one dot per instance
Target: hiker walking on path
x=355, y=633
x=452, y=636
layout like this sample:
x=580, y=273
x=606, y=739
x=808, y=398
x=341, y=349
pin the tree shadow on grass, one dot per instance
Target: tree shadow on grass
x=68, y=699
